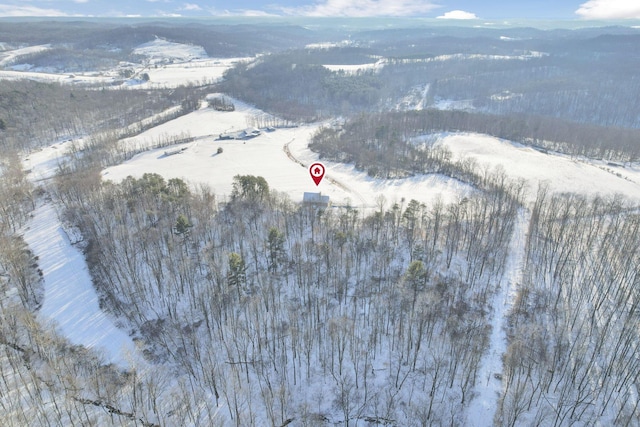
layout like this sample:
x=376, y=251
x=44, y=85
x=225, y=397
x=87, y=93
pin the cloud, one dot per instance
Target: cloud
x=240, y=12
x=458, y=14
x=191, y=6
x=363, y=8
x=609, y=9
x=13, y=10
x=256, y=13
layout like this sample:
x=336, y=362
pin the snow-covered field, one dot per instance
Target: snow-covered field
x=525, y=56
x=562, y=173
x=266, y=156
x=165, y=75
x=194, y=72
x=88, y=78
x=168, y=65
x=451, y=104
x=173, y=64
x=43, y=164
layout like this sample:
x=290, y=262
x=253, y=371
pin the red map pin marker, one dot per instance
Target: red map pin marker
x=316, y=171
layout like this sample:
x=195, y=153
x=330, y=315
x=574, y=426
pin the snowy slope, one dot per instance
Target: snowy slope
x=43, y=164
x=89, y=78
x=266, y=156
x=561, y=172
x=10, y=56
x=70, y=301
x=160, y=49
x=165, y=75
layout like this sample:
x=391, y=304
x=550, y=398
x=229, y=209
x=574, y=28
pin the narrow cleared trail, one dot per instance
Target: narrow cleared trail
x=488, y=390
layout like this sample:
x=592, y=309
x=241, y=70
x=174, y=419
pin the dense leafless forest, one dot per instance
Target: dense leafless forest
x=251, y=309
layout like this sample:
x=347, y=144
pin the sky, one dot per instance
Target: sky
x=442, y=9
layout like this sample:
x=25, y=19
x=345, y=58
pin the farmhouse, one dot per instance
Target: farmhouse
x=315, y=200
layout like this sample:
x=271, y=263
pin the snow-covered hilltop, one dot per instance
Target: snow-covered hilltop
x=160, y=50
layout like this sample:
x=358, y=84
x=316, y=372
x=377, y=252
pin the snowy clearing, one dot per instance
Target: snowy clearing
x=70, y=302
x=165, y=75
x=451, y=104
x=89, y=78
x=354, y=69
x=329, y=45
x=174, y=64
x=265, y=156
x=168, y=65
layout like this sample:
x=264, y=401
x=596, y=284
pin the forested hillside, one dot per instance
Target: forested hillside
x=111, y=39
x=584, y=76
x=265, y=306
x=573, y=330
x=33, y=114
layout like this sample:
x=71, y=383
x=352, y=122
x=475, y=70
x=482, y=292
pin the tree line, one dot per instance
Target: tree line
x=383, y=142
x=301, y=91
x=35, y=113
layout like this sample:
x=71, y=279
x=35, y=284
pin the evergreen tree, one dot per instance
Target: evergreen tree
x=236, y=275
x=249, y=187
x=182, y=224
x=275, y=246
x=415, y=279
